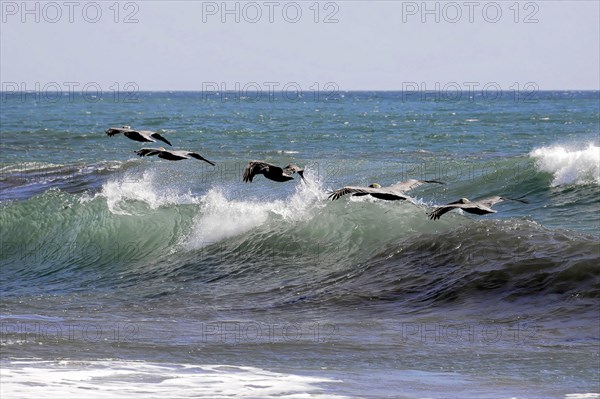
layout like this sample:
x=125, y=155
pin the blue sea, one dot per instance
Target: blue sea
x=130, y=277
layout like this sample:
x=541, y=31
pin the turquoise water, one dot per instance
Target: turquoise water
x=153, y=263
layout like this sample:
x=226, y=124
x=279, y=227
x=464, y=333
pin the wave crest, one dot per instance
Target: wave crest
x=569, y=166
x=222, y=218
x=147, y=189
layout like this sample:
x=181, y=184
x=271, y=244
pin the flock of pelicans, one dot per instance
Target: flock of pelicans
x=395, y=192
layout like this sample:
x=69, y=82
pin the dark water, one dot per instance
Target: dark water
x=117, y=266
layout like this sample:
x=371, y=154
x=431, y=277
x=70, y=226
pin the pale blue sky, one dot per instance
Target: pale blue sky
x=374, y=45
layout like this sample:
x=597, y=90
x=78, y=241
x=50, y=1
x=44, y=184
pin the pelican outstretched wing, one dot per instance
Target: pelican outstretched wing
x=440, y=210
x=257, y=167
x=111, y=131
x=381, y=193
x=148, y=152
x=412, y=184
x=200, y=157
x=489, y=201
x=334, y=195
x=159, y=137
x=481, y=207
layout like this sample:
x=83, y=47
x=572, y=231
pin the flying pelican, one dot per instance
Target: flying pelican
x=145, y=136
x=271, y=172
x=171, y=155
x=394, y=192
x=481, y=207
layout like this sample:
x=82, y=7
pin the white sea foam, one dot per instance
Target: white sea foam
x=143, y=188
x=129, y=379
x=222, y=218
x=569, y=166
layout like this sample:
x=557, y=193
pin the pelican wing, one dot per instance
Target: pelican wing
x=440, y=210
x=411, y=184
x=198, y=156
x=116, y=130
x=389, y=195
x=334, y=195
x=159, y=137
x=380, y=193
x=148, y=152
x=490, y=201
x=258, y=167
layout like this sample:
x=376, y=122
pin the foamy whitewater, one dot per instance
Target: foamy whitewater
x=569, y=166
x=105, y=379
x=126, y=277
x=222, y=218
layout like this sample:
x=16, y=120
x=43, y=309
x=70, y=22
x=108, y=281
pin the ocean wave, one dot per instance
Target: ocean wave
x=569, y=166
x=141, y=227
x=482, y=261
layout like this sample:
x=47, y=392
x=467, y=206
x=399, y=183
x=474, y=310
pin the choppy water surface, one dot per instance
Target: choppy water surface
x=180, y=279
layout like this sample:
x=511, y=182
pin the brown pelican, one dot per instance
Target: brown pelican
x=271, y=172
x=481, y=207
x=171, y=155
x=145, y=136
x=394, y=192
